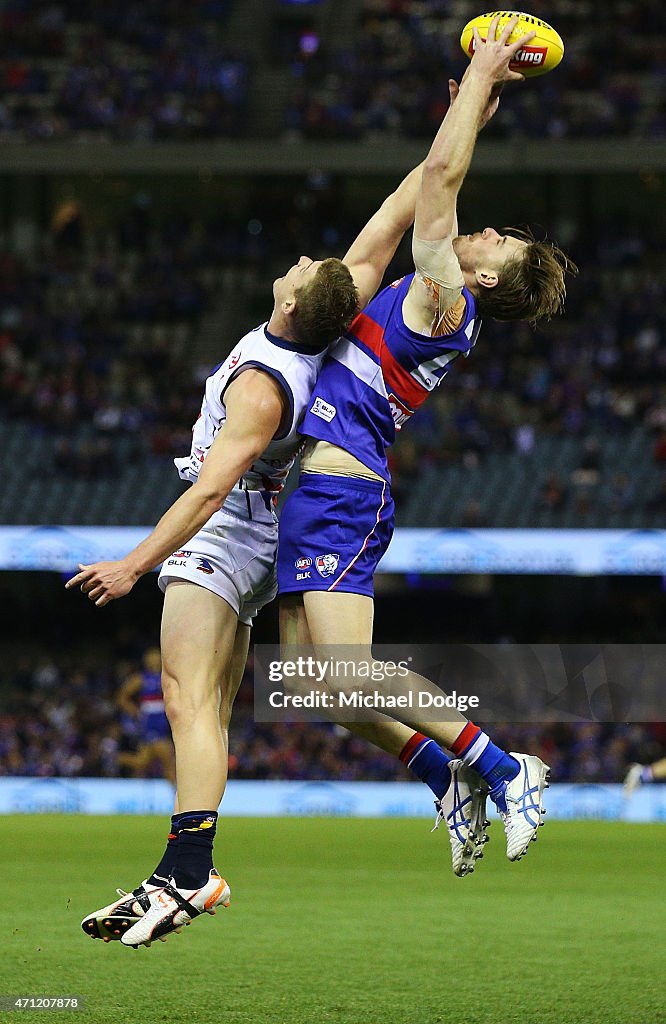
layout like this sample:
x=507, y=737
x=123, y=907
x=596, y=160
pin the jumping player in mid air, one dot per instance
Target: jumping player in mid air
x=218, y=548
x=339, y=521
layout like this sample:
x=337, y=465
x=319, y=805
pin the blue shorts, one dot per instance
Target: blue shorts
x=333, y=532
x=155, y=726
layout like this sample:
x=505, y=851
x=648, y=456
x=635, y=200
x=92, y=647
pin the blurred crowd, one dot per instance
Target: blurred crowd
x=167, y=71
x=99, y=331
x=393, y=77
x=62, y=717
x=117, y=71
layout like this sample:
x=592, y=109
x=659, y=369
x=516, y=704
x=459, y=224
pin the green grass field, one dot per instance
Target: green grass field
x=347, y=922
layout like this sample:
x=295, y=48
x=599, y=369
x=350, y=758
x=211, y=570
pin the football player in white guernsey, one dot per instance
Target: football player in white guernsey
x=217, y=546
x=500, y=276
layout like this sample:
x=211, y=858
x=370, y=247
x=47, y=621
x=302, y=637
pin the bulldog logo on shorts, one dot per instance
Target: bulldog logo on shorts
x=327, y=564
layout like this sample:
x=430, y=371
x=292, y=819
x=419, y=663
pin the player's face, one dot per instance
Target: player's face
x=486, y=248
x=300, y=274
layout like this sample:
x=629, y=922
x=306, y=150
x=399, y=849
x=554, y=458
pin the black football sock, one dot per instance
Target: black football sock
x=165, y=866
x=196, y=832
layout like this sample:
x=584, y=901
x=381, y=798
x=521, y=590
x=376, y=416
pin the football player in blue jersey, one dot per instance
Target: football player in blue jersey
x=339, y=521
x=141, y=698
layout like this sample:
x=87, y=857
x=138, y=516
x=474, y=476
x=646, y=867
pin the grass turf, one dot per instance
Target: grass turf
x=346, y=922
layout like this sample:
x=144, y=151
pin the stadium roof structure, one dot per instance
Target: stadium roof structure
x=270, y=157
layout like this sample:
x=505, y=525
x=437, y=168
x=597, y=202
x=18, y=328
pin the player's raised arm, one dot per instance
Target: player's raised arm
x=439, y=278
x=450, y=155
x=374, y=247
x=255, y=407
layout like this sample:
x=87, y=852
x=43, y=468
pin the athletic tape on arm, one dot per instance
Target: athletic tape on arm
x=438, y=269
x=437, y=265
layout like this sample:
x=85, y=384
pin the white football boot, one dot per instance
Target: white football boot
x=463, y=808
x=519, y=804
x=171, y=908
x=632, y=780
x=111, y=922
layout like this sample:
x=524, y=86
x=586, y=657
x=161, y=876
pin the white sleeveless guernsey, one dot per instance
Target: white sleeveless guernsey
x=296, y=368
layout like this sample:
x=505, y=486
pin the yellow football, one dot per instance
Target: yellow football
x=543, y=52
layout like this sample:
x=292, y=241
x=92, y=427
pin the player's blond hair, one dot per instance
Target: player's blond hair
x=326, y=306
x=531, y=285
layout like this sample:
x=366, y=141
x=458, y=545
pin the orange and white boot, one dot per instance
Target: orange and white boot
x=171, y=908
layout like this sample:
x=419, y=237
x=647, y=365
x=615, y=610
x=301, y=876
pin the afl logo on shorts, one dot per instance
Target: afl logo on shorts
x=326, y=564
x=303, y=563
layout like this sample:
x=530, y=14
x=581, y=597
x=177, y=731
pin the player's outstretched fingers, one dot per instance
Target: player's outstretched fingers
x=519, y=43
x=77, y=578
x=507, y=30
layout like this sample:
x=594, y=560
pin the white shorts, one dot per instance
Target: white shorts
x=233, y=557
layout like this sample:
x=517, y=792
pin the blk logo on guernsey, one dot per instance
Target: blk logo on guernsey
x=327, y=564
x=323, y=410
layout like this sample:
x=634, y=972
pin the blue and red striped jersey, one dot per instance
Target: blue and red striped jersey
x=379, y=373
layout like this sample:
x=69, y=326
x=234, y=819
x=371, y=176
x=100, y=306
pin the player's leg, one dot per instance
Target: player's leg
x=199, y=630
x=640, y=774
x=198, y=637
x=516, y=781
x=163, y=752
x=139, y=762
x=238, y=662
x=458, y=800
x=426, y=759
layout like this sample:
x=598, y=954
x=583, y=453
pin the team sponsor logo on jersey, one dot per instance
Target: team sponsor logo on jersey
x=234, y=361
x=326, y=564
x=399, y=411
x=205, y=566
x=303, y=563
x=323, y=410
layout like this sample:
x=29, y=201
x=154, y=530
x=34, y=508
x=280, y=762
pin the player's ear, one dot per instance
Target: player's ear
x=288, y=307
x=486, y=278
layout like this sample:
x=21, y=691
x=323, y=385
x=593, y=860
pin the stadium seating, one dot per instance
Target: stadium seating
x=150, y=71
x=389, y=75
x=59, y=717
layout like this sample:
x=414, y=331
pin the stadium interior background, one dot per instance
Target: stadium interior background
x=158, y=168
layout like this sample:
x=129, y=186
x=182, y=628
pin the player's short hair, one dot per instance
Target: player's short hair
x=326, y=306
x=531, y=285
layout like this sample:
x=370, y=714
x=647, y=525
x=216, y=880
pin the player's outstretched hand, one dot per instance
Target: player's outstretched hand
x=493, y=102
x=493, y=55
x=104, y=581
